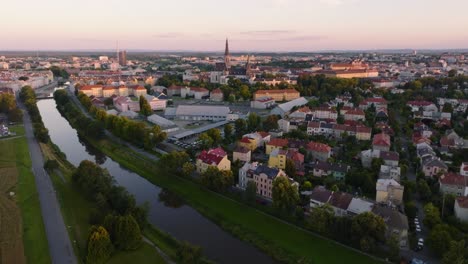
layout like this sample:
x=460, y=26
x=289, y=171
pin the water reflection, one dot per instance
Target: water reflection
x=99, y=157
x=170, y=199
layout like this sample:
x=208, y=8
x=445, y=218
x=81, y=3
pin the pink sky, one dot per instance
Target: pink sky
x=260, y=25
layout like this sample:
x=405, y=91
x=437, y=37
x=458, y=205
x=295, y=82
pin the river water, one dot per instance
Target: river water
x=166, y=211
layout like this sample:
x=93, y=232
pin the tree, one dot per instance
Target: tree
x=240, y=126
x=455, y=254
x=145, y=108
x=447, y=108
x=394, y=248
x=439, y=239
x=187, y=169
x=367, y=229
x=245, y=92
x=99, y=245
x=206, y=141
x=228, y=129
x=431, y=216
x=307, y=186
x=270, y=123
x=127, y=233
x=250, y=192
x=321, y=218
x=215, y=135
x=424, y=190
x=284, y=194
x=452, y=73
x=15, y=115
x=290, y=168
x=253, y=122
x=217, y=180
x=188, y=254
x=173, y=161
x=410, y=209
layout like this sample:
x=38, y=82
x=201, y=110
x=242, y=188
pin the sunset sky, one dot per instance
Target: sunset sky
x=250, y=25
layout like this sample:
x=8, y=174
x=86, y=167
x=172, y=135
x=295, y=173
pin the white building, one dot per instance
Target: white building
x=202, y=112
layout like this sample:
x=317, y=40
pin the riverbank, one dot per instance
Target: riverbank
x=77, y=212
x=24, y=236
x=281, y=240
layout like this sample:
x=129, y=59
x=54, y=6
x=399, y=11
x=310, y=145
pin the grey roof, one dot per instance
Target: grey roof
x=392, y=217
x=270, y=172
x=321, y=194
x=359, y=206
x=202, y=110
x=286, y=107
x=199, y=130
x=389, y=155
x=160, y=121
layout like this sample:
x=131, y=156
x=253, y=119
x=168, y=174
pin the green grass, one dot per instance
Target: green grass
x=279, y=239
x=15, y=152
x=146, y=254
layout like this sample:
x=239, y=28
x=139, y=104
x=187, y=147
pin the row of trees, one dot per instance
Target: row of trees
x=28, y=97
x=117, y=220
x=136, y=132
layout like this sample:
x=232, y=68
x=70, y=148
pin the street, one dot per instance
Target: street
x=60, y=247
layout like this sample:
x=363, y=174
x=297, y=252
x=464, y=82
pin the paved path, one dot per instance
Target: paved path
x=161, y=253
x=60, y=247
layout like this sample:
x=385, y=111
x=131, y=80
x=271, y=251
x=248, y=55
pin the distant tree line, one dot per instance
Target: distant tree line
x=136, y=132
x=28, y=97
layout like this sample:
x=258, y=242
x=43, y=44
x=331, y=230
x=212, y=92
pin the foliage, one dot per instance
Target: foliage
x=51, y=164
x=187, y=169
x=290, y=168
x=217, y=180
x=321, y=218
x=240, y=126
x=253, y=122
x=145, y=108
x=439, y=239
x=270, y=123
x=59, y=72
x=250, y=192
x=424, y=190
x=455, y=254
x=99, y=246
x=174, y=161
x=29, y=99
x=285, y=195
x=368, y=229
x=431, y=216
x=189, y=254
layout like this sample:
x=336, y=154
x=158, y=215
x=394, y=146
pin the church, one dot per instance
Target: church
x=224, y=70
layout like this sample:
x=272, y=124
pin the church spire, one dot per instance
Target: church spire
x=227, y=57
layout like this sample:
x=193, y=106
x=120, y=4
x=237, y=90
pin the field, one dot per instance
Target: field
x=76, y=211
x=274, y=236
x=22, y=233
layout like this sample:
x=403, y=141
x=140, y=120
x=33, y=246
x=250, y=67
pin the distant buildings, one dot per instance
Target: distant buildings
x=198, y=112
x=277, y=95
x=123, y=58
x=109, y=91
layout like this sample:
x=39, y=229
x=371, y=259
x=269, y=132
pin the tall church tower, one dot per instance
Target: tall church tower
x=227, y=56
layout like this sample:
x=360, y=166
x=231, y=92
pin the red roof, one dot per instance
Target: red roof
x=419, y=103
x=451, y=178
x=278, y=142
x=276, y=91
x=318, y=147
x=212, y=156
x=355, y=112
x=245, y=140
x=263, y=134
x=381, y=139
x=462, y=202
x=217, y=91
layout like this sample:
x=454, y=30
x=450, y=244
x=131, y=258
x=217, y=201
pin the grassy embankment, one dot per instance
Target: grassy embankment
x=76, y=211
x=22, y=234
x=285, y=242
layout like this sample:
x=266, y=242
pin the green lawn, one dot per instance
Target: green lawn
x=263, y=230
x=144, y=255
x=15, y=152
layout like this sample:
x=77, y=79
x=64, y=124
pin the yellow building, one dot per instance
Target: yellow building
x=248, y=143
x=214, y=157
x=277, y=95
x=277, y=159
x=276, y=143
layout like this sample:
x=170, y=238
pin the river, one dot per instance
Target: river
x=166, y=211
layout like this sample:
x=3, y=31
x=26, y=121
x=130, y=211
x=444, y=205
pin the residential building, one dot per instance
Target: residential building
x=214, y=157
x=262, y=103
x=319, y=151
x=340, y=202
x=396, y=222
x=453, y=183
x=461, y=208
x=242, y=154
x=277, y=159
x=248, y=143
x=381, y=142
x=216, y=95
x=390, y=158
x=390, y=172
x=355, y=114
x=389, y=191
x=275, y=143
x=320, y=196
x=246, y=174
x=277, y=95
x=359, y=206
x=123, y=103
x=433, y=166
x=264, y=176
x=376, y=102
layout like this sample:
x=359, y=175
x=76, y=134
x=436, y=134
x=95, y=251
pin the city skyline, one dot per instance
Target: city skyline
x=277, y=26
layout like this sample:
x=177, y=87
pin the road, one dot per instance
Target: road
x=60, y=247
